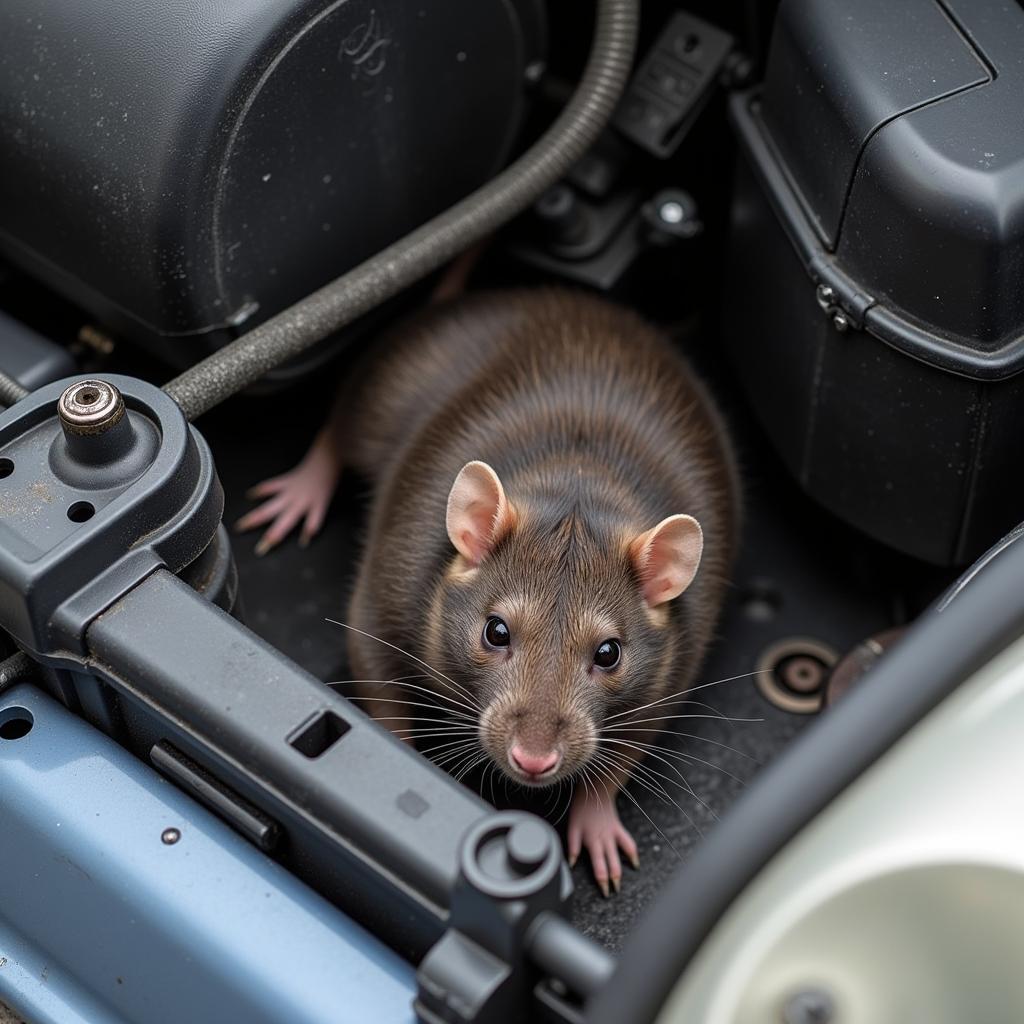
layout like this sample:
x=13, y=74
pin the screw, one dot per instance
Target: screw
x=841, y=322
x=534, y=72
x=90, y=407
x=671, y=212
x=812, y=1006
x=826, y=295
x=170, y=836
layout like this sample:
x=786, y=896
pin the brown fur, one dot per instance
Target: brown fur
x=598, y=430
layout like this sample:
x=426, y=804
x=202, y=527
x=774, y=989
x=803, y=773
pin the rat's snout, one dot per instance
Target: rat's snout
x=532, y=764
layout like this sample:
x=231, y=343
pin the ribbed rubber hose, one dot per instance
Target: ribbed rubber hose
x=428, y=247
x=10, y=390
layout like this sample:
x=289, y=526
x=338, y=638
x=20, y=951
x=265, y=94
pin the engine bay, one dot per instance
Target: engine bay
x=754, y=192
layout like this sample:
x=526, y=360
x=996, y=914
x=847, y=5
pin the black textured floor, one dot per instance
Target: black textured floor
x=800, y=574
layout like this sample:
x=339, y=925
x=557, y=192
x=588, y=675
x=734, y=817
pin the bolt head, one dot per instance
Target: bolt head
x=826, y=295
x=671, y=212
x=170, y=836
x=811, y=1006
x=841, y=322
x=90, y=407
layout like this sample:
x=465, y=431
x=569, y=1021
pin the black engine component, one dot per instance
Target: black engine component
x=180, y=169
x=883, y=181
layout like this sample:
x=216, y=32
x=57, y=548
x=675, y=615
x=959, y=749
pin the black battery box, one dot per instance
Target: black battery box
x=876, y=307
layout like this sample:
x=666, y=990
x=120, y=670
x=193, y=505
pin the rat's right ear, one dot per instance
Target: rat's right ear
x=479, y=515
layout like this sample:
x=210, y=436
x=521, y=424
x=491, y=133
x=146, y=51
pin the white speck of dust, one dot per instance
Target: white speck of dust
x=266, y=177
x=460, y=56
x=327, y=179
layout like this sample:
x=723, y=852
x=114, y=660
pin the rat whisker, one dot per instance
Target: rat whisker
x=419, y=661
x=417, y=704
x=619, y=766
x=690, y=736
x=651, y=780
x=400, y=681
x=468, y=768
x=456, y=755
x=683, y=782
x=401, y=718
x=448, y=744
x=686, y=758
x=669, y=718
x=695, y=703
x=568, y=802
x=689, y=689
x=407, y=735
x=441, y=750
x=636, y=804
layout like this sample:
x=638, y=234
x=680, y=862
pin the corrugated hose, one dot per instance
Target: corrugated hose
x=428, y=247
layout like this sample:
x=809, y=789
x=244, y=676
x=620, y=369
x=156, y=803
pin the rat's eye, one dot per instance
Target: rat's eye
x=496, y=633
x=608, y=654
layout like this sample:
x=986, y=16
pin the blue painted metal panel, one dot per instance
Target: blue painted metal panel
x=101, y=921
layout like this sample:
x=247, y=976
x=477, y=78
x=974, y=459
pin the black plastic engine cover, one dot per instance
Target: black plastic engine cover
x=181, y=167
x=878, y=240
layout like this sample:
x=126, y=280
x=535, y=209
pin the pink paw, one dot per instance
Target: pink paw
x=594, y=824
x=301, y=496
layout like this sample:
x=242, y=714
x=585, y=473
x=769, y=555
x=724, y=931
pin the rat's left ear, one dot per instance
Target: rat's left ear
x=666, y=557
x=479, y=514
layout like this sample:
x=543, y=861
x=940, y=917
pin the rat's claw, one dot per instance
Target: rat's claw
x=594, y=823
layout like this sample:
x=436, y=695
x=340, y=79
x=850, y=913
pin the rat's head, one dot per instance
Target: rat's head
x=553, y=613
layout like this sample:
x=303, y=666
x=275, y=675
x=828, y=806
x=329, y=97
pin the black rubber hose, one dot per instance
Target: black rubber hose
x=10, y=390
x=430, y=246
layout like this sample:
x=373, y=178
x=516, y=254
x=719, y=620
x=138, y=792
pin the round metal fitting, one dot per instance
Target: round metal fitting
x=793, y=673
x=841, y=322
x=170, y=836
x=671, y=212
x=90, y=407
x=812, y=1006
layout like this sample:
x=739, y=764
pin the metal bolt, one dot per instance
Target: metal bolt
x=812, y=1006
x=90, y=407
x=825, y=295
x=671, y=212
x=841, y=322
x=170, y=836
x=534, y=72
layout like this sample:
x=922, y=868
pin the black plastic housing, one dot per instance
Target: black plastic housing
x=181, y=168
x=878, y=239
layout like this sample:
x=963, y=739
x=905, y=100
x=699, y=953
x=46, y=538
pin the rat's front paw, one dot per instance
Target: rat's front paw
x=301, y=496
x=594, y=824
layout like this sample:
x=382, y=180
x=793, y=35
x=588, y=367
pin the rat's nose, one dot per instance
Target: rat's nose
x=534, y=764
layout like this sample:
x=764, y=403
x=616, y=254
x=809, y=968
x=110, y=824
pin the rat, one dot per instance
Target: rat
x=555, y=505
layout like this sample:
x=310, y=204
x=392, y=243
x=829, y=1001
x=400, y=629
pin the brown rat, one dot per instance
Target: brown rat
x=548, y=478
